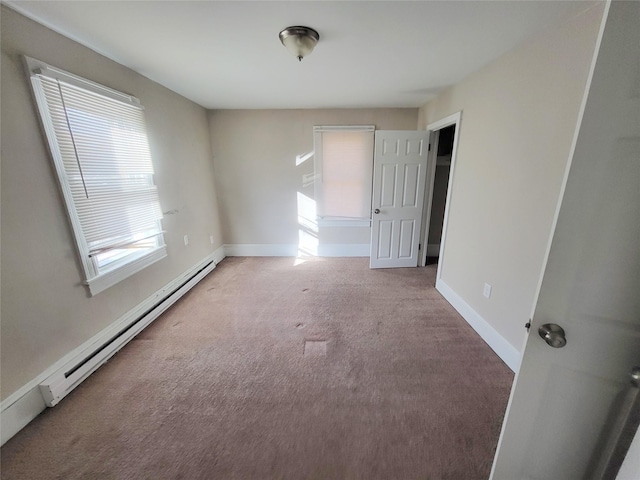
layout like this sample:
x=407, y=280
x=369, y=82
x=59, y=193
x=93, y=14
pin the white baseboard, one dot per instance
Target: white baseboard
x=292, y=250
x=344, y=250
x=507, y=352
x=218, y=254
x=19, y=408
x=433, y=249
x=17, y=415
x=261, y=250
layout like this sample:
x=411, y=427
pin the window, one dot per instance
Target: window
x=344, y=170
x=98, y=142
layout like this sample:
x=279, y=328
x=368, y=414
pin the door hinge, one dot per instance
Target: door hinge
x=429, y=149
x=527, y=325
x=419, y=246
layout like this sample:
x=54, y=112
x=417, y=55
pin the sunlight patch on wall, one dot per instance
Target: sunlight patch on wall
x=307, y=227
x=300, y=159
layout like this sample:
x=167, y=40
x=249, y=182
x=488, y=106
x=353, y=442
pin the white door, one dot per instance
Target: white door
x=565, y=403
x=399, y=177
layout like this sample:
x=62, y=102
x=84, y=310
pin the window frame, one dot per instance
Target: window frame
x=332, y=221
x=96, y=278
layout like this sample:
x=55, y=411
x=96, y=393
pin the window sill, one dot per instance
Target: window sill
x=343, y=223
x=108, y=279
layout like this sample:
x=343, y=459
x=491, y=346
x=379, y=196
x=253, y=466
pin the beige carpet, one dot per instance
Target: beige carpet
x=266, y=370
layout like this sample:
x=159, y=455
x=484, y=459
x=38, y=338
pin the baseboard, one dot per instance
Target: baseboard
x=344, y=250
x=218, y=254
x=17, y=415
x=433, y=249
x=261, y=250
x=292, y=250
x=502, y=347
x=19, y=408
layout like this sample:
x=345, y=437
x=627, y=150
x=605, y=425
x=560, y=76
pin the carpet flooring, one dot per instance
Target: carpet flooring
x=271, y=370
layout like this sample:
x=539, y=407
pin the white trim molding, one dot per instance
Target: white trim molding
x=507, y=352
x=293, y=250
x=19, y=408
x=344, y=249
x=261, y=250
x=18, y=413
x=107, y=279
x=218, y=254
x=335, y=222
x=453, y=119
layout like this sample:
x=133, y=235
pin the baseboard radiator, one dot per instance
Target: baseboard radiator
x=61, y=383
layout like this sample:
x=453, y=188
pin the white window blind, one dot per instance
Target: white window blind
x=344, y=171
x=99, y=145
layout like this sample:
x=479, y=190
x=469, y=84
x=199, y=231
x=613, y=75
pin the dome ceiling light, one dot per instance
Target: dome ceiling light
x=299, y=40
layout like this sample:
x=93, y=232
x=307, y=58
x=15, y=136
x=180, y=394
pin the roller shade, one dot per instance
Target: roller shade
x=344, y=167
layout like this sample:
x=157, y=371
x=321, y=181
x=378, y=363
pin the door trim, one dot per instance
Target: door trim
x=453, y=119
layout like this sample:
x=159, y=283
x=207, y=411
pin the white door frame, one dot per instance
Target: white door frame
x=453, y=119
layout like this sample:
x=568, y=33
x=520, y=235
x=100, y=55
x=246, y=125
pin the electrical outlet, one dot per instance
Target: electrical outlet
x=211, y=239
x=487, y=290
x=186, y=240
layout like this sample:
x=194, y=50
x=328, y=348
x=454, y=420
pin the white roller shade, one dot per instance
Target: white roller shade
x=344, y=167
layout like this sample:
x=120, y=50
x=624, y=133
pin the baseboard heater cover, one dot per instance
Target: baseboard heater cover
x=60, y=384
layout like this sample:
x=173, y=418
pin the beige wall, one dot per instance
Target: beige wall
x=519, y=116
x=46, y=311
x=255, y=155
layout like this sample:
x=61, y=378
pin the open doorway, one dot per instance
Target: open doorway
x=443, y=145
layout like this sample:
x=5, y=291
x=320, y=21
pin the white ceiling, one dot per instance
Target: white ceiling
x=226, y=54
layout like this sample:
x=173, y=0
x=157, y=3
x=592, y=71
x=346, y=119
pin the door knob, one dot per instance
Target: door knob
x=553, y=334
x=376, y=211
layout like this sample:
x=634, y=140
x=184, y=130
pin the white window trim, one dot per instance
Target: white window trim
x=108, y=279
x=97, y=282
x=35, y=67
x=335, y=221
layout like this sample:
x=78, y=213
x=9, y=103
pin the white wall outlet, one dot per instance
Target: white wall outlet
x=487, y=290
x=211, y=239
x=186, y=239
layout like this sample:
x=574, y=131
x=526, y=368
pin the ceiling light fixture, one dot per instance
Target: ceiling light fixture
x=299, y=40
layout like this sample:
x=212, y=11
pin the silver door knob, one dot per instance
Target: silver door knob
x=376, y=211
x=553, y=334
